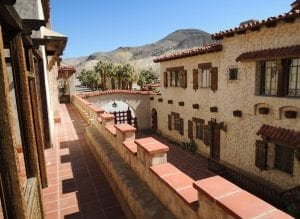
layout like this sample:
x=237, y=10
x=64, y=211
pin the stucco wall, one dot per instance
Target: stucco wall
x=238, y=142
x=139, y=103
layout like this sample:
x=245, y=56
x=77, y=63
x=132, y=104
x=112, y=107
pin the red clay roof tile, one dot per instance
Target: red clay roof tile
x=290, y=137
x=257, y=24
x=216, y=47
x=288, y=52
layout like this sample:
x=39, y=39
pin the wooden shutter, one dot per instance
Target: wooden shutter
x=190, y=129
x=207, y=131
x=181, y=127
x=214, y=79
x=283, y=74
x=170, y=122
x=165, y=79
x=184, y=79
x=195, y=79
x=261, y=154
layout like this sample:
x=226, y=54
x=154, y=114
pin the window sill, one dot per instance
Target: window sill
x=287, y=97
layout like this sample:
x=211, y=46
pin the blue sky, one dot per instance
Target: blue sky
x=104, y=25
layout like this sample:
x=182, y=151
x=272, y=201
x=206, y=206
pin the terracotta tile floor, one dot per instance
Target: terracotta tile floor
x=194, y=167
x=77, y=187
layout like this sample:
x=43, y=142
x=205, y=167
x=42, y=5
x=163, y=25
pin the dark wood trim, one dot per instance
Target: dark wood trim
x=32, y=24
x=7, y=2
x=24, y=107
x=14, y=203
x=10, y=18
x=179, y=68
x=205, y=65
x=38, y=125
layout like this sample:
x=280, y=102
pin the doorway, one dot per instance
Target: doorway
x=154, y=119
x=215, y=140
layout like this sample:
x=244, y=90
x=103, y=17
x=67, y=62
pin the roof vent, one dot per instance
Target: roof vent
x=247, y=22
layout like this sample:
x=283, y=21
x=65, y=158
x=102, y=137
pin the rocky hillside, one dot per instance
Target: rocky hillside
x=142, y=56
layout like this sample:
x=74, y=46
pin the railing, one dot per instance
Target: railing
x=267, y=193
x=122, y=117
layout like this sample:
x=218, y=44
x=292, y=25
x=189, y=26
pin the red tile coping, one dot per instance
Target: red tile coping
x=216, y=47
x=131, y=146
x=178, y=182
x=107, y=116
x=151, y=145
x=99, y=93
x=233, y=199
x=111, y=129
x=255, y=25
x=96, y=109
x=125, y=128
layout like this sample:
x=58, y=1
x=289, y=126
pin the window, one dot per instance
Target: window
x=205, y=78
x=176, y=122
x=233, y=74
x=284, y=158
x=280, y=77
x=199, y=128
x=269, y=79
x=175, y=77
x=294, y=78
x=261, y=154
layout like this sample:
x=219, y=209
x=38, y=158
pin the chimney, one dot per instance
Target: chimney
x=295, y=5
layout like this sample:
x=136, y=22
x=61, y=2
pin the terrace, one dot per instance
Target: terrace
x=99, y=169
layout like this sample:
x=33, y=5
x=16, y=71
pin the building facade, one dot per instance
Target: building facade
x=29, y=64
x=238, y=99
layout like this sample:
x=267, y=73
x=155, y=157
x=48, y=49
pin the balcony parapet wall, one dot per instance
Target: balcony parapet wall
x=213, y=197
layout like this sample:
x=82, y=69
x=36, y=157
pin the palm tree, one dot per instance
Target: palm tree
x=100, y=68
x=128, y=71
x=119, y=73
x=111, y=73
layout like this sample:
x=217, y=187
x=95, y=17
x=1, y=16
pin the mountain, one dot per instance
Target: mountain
x=142, y=56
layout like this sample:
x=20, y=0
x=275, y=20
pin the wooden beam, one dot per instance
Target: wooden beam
x=9, y=161
x=9, y=17
x=36, y=108
x=24, y=103
x=7, y=2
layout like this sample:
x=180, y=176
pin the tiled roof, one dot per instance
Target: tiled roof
x=291, y=51
x=288, y=136
x=255, y=25
x=99, y=93
x=216, y=47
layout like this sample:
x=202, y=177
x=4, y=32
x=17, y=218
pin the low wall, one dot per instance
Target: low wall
x=212, y=197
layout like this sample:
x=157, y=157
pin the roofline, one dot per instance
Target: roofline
x=256, y=25
x=216, y=47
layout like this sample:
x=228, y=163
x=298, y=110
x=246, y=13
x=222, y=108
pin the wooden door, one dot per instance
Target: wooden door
x=215, y=143
x=154, y=119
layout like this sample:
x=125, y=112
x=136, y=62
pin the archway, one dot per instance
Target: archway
x=154, y=124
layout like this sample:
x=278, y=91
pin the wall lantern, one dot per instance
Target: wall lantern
x=114, y=105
